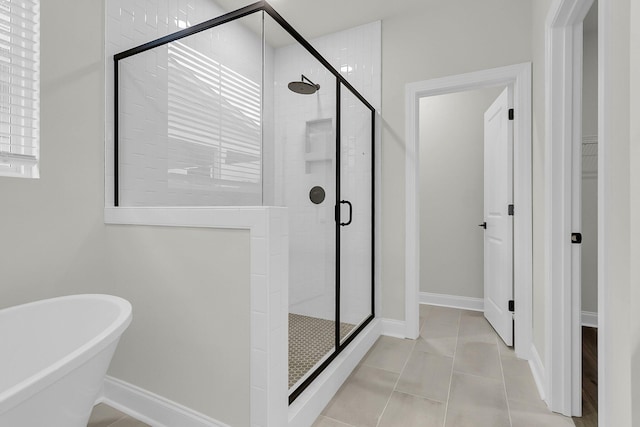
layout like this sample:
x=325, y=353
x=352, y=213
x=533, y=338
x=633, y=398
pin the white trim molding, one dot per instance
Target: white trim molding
x=519, y=77
x=453, y=301
x=563, y=157
x=150, y=408
x=590, y=319
x=538, y=372
x=393, y=328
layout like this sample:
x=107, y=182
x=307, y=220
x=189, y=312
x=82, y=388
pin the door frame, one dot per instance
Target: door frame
x=519, y=77
x=563, y=139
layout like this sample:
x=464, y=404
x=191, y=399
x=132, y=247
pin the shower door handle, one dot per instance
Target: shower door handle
x=348, y=203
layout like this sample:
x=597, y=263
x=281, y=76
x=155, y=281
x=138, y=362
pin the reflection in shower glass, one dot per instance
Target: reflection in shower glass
x=356, y=184
x=190, y=120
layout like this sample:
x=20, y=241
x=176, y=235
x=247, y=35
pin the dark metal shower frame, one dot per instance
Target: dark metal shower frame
x=340, y=81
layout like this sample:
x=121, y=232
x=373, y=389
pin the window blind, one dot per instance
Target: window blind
x=19, y=87
x=214, y=123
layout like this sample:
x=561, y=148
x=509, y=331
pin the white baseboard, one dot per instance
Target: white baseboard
x=537, y=369
x=590, y=319
x=453, y=301
x=150, y=408
x=393, y=328
x=308, y=406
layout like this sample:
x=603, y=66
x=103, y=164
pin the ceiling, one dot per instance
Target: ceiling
x=313, y=18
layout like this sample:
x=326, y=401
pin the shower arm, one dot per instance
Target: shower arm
x=303, y=78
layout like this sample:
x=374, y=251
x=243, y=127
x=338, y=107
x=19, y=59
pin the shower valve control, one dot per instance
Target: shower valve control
x=317, y=195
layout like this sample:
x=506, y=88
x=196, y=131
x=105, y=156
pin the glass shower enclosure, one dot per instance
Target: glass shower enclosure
x=241, y=110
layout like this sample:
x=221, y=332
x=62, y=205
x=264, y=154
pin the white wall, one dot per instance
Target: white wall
x=634, y=195
x=590, y=79
x=590, y=170
x=451, y=38
x=590, y=242
x=539, y=9
x=190, y=335
x=618, y=334
x=452, y=192
x=52, y=226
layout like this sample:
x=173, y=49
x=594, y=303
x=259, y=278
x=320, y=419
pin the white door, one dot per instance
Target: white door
x=498, y=234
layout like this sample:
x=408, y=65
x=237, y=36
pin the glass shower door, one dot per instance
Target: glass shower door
x=356, y=214
x=299, y=145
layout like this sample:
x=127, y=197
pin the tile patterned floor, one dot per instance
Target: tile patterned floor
x=310, y=339
x=458, y=373
x=106, y=416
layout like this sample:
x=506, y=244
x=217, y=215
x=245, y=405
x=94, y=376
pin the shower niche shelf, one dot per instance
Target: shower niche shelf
x=319, y=146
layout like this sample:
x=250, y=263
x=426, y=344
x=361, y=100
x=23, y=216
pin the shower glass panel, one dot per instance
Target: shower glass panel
x=190, y=120
x=241, y=110
x=302, y=152
x=356, y=213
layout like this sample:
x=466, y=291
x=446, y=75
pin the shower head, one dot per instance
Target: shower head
x=302, y=87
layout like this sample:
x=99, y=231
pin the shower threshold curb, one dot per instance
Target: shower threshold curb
x=309, y=405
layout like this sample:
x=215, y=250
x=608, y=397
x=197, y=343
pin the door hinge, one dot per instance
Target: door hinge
x=511, y=210
x=512, y=305
x=510, y=113
x=576, y=238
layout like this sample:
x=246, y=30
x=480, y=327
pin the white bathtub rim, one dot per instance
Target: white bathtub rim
x=26, y=388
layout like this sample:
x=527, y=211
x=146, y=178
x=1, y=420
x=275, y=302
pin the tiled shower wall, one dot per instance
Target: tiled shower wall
x=190, y=112
x=305, y=127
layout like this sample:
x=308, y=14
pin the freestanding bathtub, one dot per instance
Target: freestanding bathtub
x=54, y=355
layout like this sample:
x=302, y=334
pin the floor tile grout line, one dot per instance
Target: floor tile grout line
x=396, y=384
x=482, y=377
x=413, y=349
x=336, y=420
x=420, y=397
x=446, y=407
x=381, y=369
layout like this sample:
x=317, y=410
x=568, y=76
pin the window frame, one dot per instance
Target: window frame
x=20, y=38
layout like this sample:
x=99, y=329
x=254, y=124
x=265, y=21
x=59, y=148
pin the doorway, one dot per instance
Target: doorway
x=589, y=222
x=572, y=230
x=519, y=78
x=466, y=188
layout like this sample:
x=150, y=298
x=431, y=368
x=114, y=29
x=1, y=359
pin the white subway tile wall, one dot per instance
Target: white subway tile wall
x=191, y=124
x=305, y=157
x=190, y=111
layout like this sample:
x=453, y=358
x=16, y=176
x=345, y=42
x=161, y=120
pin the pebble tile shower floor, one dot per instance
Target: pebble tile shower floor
x=310, y=339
